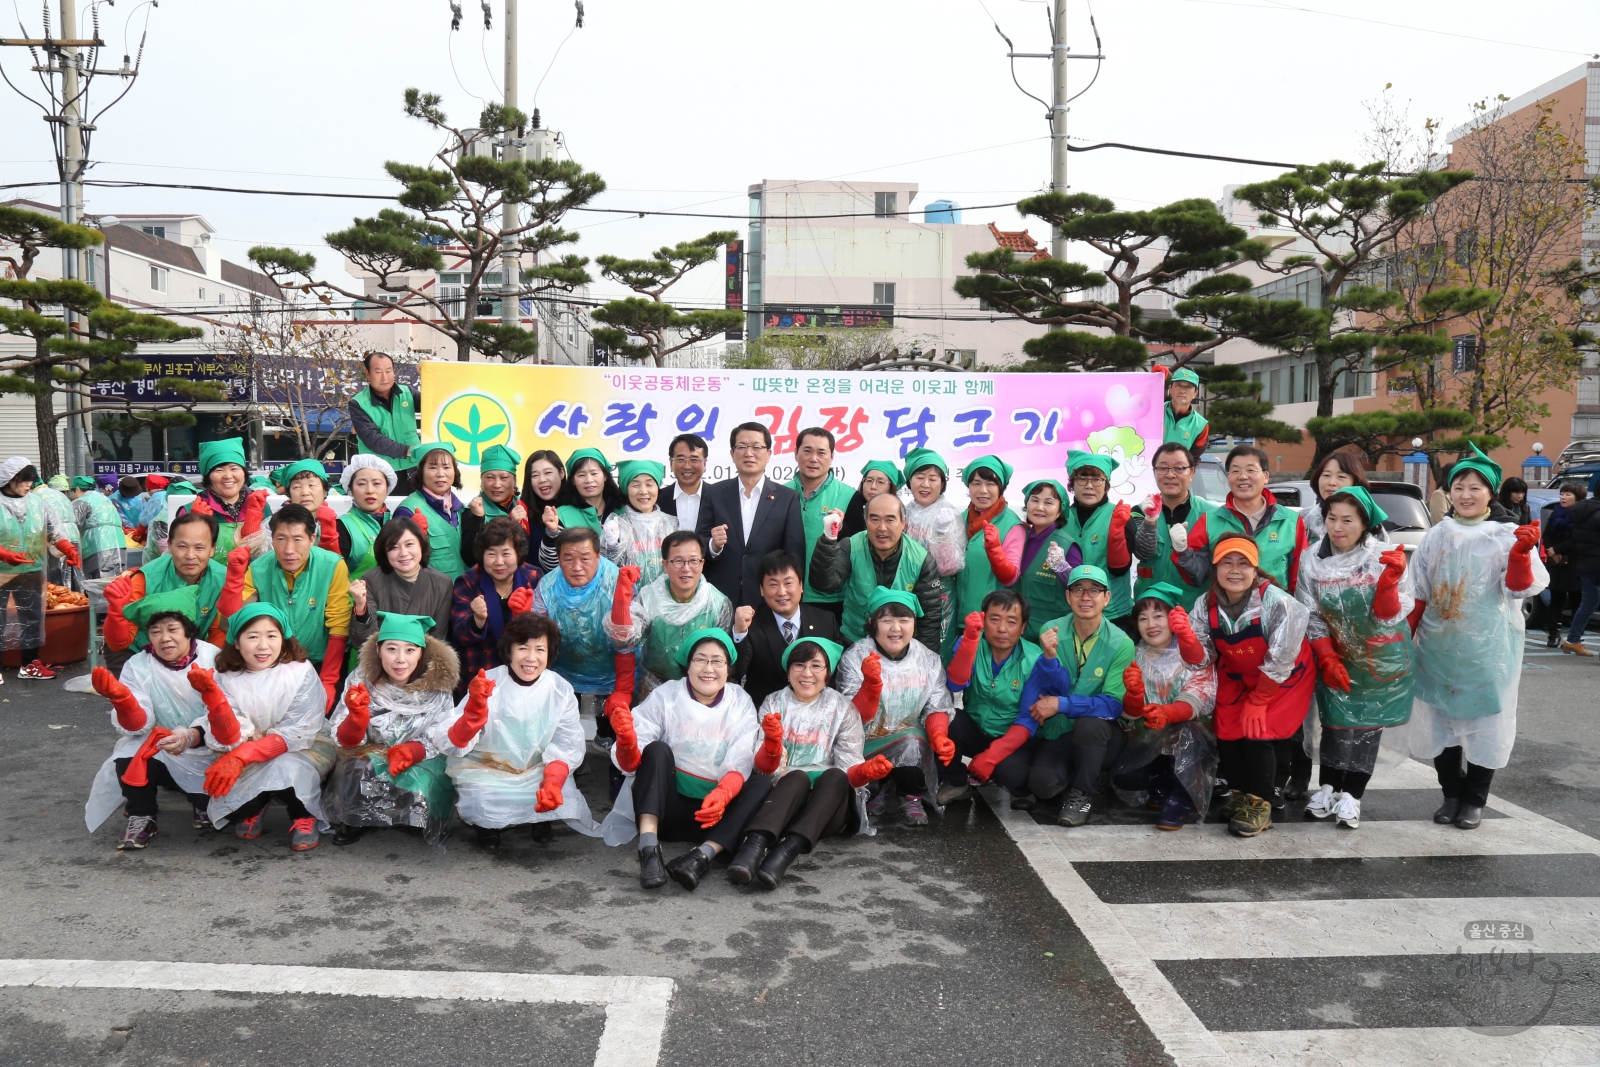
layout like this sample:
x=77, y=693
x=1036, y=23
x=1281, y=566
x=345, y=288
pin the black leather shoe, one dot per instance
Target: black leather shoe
x=1469, y=817
x=1447, y=811
x=1297, y=788
x=748, y=858
x=488, y=840
x=651, y=874
x=348, y=835
x=542, y=832
x=778, y=861
x=689, y=868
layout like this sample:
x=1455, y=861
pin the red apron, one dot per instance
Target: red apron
x=1239, y=659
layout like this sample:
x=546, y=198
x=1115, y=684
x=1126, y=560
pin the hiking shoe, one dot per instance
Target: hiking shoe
x=1075, y=809
x=950, y=792
x=1027, y=803
x=37, y=671
x=1251, y=815
x=202, y=820
x=912, y=812
x=1175, y=811
x=137, y=834
x=1320, y=806
x=249, y=829
x=1566, y=646
x=1347, y=811
x=303, y=836
x=878, y=802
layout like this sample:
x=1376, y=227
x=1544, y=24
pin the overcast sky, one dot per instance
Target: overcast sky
x=681, y=104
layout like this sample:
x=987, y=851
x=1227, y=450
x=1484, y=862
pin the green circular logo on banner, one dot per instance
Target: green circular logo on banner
x=473, y=422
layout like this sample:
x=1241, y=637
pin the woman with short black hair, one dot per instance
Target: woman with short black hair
x=490, y=595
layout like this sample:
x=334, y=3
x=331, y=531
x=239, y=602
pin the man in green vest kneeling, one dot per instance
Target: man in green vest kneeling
x=881, y=555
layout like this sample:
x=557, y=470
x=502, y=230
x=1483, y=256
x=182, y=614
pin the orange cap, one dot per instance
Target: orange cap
x=1242, y=545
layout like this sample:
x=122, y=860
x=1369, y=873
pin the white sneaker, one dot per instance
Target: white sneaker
x=1347, y=810
x=1320, y=803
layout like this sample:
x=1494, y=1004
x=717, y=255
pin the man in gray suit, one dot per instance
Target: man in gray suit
x=748, y=516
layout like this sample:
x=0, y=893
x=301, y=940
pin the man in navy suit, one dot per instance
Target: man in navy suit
x=746, y=517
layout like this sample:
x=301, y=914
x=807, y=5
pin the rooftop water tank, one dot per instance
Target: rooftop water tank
x=942, y=211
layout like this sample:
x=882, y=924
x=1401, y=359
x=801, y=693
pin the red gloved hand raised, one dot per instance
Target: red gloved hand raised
x=871, y=771
x=983, y=764
x=231, y=599
x=15, y=559
x=1117, y=552
x=1386, y=600
x=938, y=728
x=1189, y=646
x=220, y=720
x=404, y=756
x=960, y=669
x=770, y=754
x=332, y=667
x=69, y=553
x=130, y=716
x=327, y=528
x=716, y=801
x=1329, y=665
x=1157, y=716
x=520, y=600
x=119, y=632
x=353, y=730
x=255, y=507
x=622, y=599
x=1004, y=570
x=627, y=743
x=548, y=798
x=871, y=691
x=1132, y=691
x=421, y=519
x=1519, y=568
x=202, y=506
x=475, y=714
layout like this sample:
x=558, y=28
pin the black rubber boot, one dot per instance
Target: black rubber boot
x=1447, y=811
x=749, y=857
x=779, y=860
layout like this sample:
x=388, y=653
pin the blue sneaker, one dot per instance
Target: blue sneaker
x=1175, y=811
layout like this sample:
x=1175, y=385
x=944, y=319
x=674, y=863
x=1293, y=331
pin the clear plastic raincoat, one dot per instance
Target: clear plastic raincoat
x=660, y=625
x=59, y=506
x=103, y=544
x=824, y=733
x=913, y=688
x=1192, y=744
x=287, y=700
x=706, y=741
x=1267, y=637
x=587, y=657
x=26, y=526
x=631, y=539
x=169, y=701
x=1468, y=642
x=939, y=528
x=498, y=772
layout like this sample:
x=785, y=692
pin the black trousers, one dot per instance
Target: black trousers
x=1250, y=766
x=29, y=601
x=1462, y=780
x=813, y=810
x=910, y=781
x=655, y=792
x=257, y=804
x=1096, y=745
x=141, y=799
x=970, y=741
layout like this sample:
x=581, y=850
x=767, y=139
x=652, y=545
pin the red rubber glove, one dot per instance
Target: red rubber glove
x=983, y=765
x=871, y=691
x=938, y=728
x=626, y=665
x=353, y=730
x=130, y=716
x=1118, y=555
x=1519, y=568
x=1253, y=718
x=1133, y=691
x=15, y=559
x=231, y=599
x=69, y=553
x=622, y=599
x=119, y=632
x=1189, y=646
x=138, y=772
x=202, y=506
x=404, y=756
x=332, y=665
x=872, y=770
x=960, y=669
x=1005, y=571
x=1386, y=601
x=421, y=520
x=1157, y=716
x=520, y=600
x=549, y=796
x=770, y=754
x=716, y=801
x=220, y=719
x=221, y=775
x=475, y=714
x=138, y=535
x=255, y=507
x=627, y=743
x=1416, y=615
x=327, y=528
x=1329, y=665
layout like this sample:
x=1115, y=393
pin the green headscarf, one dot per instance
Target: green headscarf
x=1061, y=491
x=1375, y=515
x=887, y=469
x=999, y=467
x=183, y=601
x=629, y=469
x=1078, y=459
x=705, y=632
x=882, y=595
x=1479, y=462
x=1166, y=592
x=284, y=475
x=58, y=483
x=412, y=629
x=1091, y=572
x=918, y=458
x=499, y=458
x=831, y=649
x=214, y=454
x=180, y=486
x=256, y=482
x=83, y=481
x=419, y=452
x=251, y=612
x=587, y=453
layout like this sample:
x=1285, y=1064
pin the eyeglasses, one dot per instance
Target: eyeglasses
x=686, y=563
x=749, y=449
x=1172, y=470
x=708, y=661
x=1086, y=592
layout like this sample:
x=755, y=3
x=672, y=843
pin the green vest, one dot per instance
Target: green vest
x=992, y=700
x=160, y=576
x=975, y=581
x=864, y=579
x=1162, y=569
x=25, y=535
x=397, y=422
x=444, y=540
x=831, y=494
x=103, y=532
x=571, y=517
x=1100, y=672
x=1185, y=431
x=1092, y=539
x=307, y=606
x=1275, y=542
x=1041, y=588
x=362, y=530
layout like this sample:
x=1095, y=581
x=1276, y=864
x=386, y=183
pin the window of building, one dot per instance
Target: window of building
x=202, y=292
x=155, y=231
x=1465, y=358
x=1588, y=392
x=158, y=279
x=883, y=205
x=883, y=292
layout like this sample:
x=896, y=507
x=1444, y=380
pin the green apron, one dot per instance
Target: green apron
x=1162, y=569
x=362, y=529
x=1275, y=542
x=307, y=606
x=1092, y=539
x=1378, y=657
x=397, y=422
x=1108, y=657
x=975, y=581
x=444, y=540
x=831, y=494
x=160, y=576
x=427, y=778
x=104, y=530
x=25, y=535
x=992, y=701
x=1185, y=431
x=864, y=579
x=1041, y=588
x=571, y=517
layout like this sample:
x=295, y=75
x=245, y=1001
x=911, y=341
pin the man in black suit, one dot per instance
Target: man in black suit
x=762, y=633
x=687, y=460
x=746, y=517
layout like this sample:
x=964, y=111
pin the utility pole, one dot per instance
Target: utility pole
x=510, y=259
x=1058, y=117
x=72, y=209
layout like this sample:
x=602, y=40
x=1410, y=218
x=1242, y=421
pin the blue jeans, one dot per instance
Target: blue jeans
x=1586, y=606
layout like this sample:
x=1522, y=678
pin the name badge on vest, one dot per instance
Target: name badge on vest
x=1273, y=536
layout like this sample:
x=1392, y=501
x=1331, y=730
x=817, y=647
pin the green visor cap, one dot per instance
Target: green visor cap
x=831, y=649
x=1061, y=492
x=629, y=469
x=1077, y=459
x=412, y=629
x=882, y=595
x=918, y=458
x=1376, y=516
x=251, y=612
x=214, y=454
x=1166, y=592
x=587, y=453
x=499, y=458
x=184, y=601
x=83, y=481
x=887, y=469
x=994, y=464
x=1480, y=463
x=284, y=475
x=704, y=633
x=1090, y=572
x=1185, y=375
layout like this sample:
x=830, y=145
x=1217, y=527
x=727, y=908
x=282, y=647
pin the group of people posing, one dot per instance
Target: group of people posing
x=766, y=665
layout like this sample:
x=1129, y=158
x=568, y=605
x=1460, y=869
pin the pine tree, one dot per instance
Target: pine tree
x=1234, y=407
x=646, y=327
